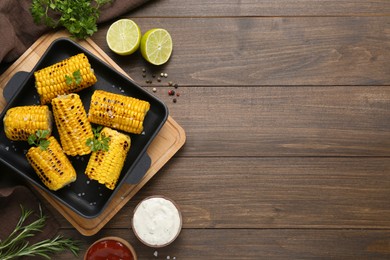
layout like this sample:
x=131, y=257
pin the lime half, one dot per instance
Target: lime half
x=123, y=37
x=156, y=46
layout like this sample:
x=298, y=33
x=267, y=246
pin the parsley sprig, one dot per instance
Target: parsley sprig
x=39, y=139
x=100, y=141
x=75, y=78
x=78, y=17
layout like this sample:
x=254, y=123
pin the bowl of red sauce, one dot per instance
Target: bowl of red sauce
x=110, y=248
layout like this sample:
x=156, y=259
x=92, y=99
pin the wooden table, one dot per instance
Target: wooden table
x=286, y=109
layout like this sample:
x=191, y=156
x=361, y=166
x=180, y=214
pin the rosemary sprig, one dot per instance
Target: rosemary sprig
x=15, y=244
x=99, y=141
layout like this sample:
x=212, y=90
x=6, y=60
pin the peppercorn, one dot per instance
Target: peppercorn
x=176, y=85
x=174, y=100
x=171, y=92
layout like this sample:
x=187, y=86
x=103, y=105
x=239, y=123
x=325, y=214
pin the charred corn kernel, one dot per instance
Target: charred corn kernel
x=51, y=165
x=118, y=111
x=22, y=121
x=72, y=124
x=106, y=166
x=52, y=80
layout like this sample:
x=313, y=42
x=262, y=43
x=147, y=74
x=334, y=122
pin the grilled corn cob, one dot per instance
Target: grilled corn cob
x=106, y=166
x=72, y=124
x=67, y=76
x=22, y=121
x=51, y=165
x=118, y=111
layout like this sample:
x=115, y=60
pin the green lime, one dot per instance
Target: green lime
x=123, y=37
x=156, y=46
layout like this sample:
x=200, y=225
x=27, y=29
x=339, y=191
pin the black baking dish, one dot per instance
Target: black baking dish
x=84, y=196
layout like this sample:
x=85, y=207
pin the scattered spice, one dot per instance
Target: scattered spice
x=159, y=79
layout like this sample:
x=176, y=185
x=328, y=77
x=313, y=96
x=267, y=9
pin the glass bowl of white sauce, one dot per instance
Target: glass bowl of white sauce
x=157, y=221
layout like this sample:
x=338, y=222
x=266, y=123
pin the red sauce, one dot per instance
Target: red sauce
x=109, y=250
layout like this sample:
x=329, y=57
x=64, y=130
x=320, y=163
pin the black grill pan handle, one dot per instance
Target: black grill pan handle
x=14, y=84
x=139, y=169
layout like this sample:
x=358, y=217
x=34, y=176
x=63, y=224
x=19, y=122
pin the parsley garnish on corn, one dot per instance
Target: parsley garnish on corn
x=49, y=161
x=106, y=166
x=98, y=142
x=67, y=76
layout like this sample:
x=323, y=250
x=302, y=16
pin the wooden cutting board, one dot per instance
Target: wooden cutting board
x=168, y=141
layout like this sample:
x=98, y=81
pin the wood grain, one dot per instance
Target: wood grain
x=283, y=121
x=263, y=244
x=261, y=193
x=270, y=51
x=286, y=108
x=262, y=8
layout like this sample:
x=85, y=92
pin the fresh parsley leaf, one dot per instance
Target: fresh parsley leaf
x=44, y=144
x=78, y=17
x=41, y=134
x=99, y=142
x=105, y=143
x=68, y=80
x=76, y=78
x=39, y=138
x=32, y=139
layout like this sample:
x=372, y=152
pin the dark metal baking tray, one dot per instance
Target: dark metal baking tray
x=86, y=197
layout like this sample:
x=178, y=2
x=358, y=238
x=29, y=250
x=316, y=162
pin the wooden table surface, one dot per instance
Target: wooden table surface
x=286, y=109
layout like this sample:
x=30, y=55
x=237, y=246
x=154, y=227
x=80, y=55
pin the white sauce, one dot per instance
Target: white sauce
x=156, y=221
